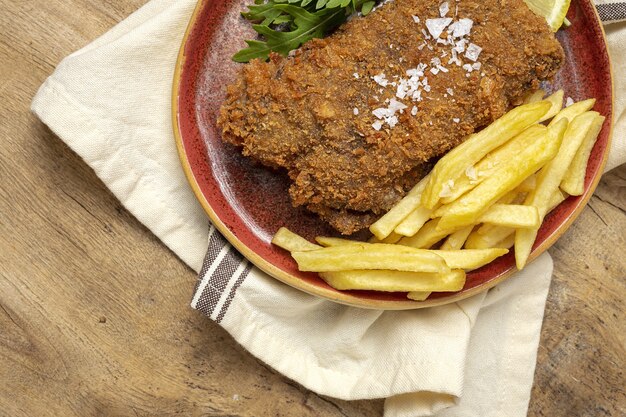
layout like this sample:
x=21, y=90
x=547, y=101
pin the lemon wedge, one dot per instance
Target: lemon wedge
x=553, y=10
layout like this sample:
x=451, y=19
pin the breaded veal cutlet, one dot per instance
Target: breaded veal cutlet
x=357, y=118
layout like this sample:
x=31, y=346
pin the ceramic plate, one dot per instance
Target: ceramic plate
x=248, y=202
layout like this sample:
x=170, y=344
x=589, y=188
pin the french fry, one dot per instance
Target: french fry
x=491, y=236
x=511, y=215
x=392, y=238
x=326, y=241
x=557, y=198
x=418, y=295
x=488, y=240
x=491, y=163
x=556, y=99
x=535, y=97
x=574, y=181
x=427, y=236
x=469, y=207
x=507, y=242
x=574, y=110
x=470, y=258
x=485, y=228
x=291, y=241
x=383, y=227
x=453, y=164
x=548, y=181
x=370, y=256
x=413, y=222
x=528, y=185
x=388, y=280
x=457, y=239
x=557, y=103
x=455, y=259
x=509, y=197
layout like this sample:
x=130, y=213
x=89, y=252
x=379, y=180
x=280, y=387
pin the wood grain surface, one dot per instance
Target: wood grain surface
x=94, y=310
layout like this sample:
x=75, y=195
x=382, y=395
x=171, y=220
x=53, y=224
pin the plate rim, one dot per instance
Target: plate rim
x=336, y=295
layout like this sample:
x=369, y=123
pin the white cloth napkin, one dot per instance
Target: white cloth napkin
x=110, y=102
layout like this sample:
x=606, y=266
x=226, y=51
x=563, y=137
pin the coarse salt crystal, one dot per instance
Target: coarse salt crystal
x=434, y=70
x=381, y=112
x=569, y=101
x=450, y=91
x=377, y=124
x=355, y=111
x=459, y=46
x=427, y=88
x=380, y=79
x=415, y=19
x=437, y=26
x=456, y=120
x=473, y=51
x=442, y=68
x=461, y=28
x=395, y=105
x=392, y=121
x=444, y=8
x=414, y=110
x=356, y=75
x=446, y=191
x=470, y=172
x=476, y=66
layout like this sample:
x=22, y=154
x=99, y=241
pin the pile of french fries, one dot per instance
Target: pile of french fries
x=487, y=195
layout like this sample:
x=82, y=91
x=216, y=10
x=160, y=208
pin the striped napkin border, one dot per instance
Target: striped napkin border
x=224, y=269
x=612, y=12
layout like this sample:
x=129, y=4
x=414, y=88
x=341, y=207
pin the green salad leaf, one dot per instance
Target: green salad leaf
x=284, y=25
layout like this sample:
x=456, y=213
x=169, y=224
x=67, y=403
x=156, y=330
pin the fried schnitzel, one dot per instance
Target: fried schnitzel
x=357, y=118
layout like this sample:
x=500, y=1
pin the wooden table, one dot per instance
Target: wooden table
x=95, y=313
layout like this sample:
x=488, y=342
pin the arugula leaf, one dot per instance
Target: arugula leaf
x=306, y=26
x=285, y=25
x=367, y=7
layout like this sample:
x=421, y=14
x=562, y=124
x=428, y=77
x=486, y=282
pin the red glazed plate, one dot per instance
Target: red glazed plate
x=248, y=203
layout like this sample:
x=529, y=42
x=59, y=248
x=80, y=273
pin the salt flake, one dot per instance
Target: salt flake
x=461, y=28
x=437, y=26
x=470, y=172
x=444, y=8
x=381, y=79
x=473, y=51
